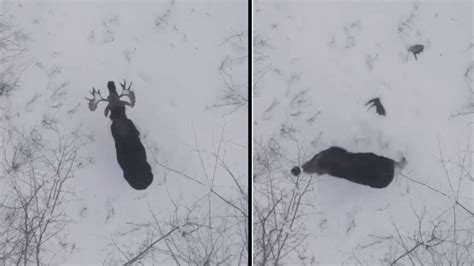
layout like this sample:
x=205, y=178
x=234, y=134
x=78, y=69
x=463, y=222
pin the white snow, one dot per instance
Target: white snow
x=321, y=50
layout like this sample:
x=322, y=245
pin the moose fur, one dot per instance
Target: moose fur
x=131, y=154
x=362, y=168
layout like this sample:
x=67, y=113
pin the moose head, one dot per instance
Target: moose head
x=114, y=99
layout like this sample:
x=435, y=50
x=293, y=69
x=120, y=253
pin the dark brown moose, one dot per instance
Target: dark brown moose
x=131, y=154
x=362, y=168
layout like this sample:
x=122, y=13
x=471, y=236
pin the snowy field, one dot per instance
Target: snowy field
x=316, y=64
x=188, y=64
x=63, y=199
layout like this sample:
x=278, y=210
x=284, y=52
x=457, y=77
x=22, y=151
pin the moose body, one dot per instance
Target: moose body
x=131, y=154
x=363, y=168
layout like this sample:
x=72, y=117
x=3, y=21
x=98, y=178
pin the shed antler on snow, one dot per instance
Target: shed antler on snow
x=416, y=49
x=375, y=102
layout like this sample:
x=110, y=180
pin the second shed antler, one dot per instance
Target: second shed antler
x=378, y=106
x=127, y=92
x=94, y=101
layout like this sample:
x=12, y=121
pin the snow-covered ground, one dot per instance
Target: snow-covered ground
x=182, y=57
x=316, y=64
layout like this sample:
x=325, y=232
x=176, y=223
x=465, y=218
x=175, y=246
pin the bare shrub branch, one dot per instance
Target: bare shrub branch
x=234, y=94
x=279, y=207
x=11, y=46
x=446, y=238
x=212, y=230
x=37, y=166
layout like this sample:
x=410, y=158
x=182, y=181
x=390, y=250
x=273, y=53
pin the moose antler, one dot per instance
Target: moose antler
x=94, y=101
x=127, y=92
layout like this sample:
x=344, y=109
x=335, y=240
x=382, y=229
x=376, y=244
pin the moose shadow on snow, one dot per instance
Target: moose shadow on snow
x=362, y=168
x=131, y=154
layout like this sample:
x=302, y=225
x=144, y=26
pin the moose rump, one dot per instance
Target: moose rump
x=131, y=154
x=363, y=168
